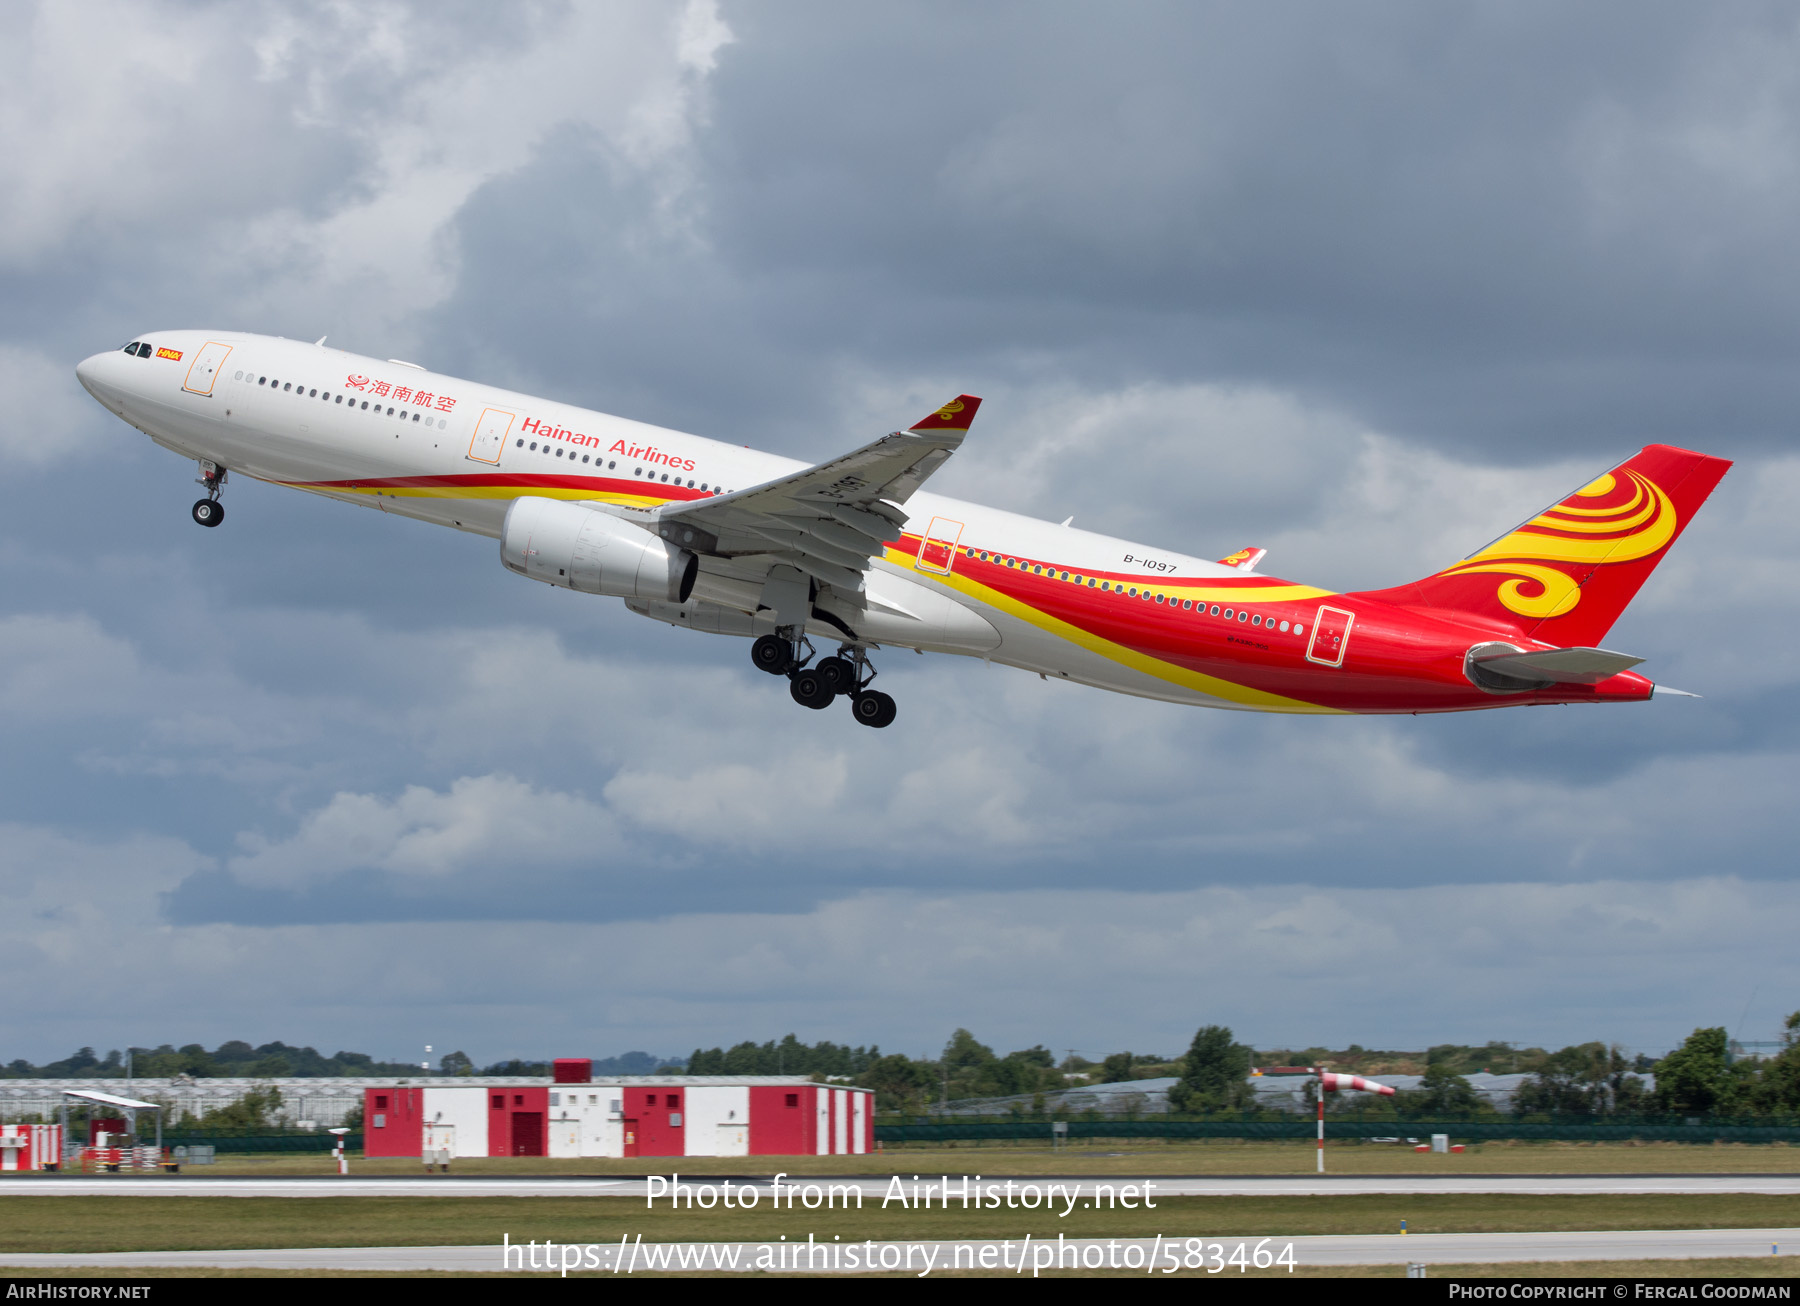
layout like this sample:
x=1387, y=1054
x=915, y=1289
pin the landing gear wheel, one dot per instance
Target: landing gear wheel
x=809, y=689
x=874, y=708
x=771, y=653
x=209, y=512
x=839, y=674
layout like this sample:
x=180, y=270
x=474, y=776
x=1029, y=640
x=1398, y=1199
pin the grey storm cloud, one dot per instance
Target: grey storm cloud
x=1364, y=286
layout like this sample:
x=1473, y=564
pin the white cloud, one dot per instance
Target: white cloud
x=481, y=822
x=1284, y=964
x=319, y=151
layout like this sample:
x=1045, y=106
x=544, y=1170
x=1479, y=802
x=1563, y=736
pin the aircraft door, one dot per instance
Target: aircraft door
x=204, y=370
x=1330, y=637
x=938, y=549
x=490, y=436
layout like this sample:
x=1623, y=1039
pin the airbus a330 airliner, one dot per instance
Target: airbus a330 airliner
x=720, y=538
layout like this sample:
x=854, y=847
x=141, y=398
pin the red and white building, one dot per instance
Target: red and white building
x=30, y=1147
x=573, y=1114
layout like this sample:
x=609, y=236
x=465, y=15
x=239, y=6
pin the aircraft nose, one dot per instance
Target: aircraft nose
x=87, y=371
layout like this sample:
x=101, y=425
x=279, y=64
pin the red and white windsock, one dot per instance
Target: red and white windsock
x=1332, y=1082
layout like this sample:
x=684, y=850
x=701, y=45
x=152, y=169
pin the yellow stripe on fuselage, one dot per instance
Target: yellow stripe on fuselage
x=481, y=492
x=1211, y=686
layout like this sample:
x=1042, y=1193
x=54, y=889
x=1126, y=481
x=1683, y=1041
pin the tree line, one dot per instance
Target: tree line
x=233, y=1059
x=1699, y=1078
x=236, y=1059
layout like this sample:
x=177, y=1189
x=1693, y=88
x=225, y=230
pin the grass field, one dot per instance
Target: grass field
x=106, y=1224
x=1286, y=1157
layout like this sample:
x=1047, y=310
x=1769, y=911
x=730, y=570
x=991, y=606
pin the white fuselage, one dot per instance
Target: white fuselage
x=356, y=429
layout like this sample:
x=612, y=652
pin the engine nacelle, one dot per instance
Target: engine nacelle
x=583, y=549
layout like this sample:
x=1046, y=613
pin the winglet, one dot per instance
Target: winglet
x=953, y=416
x=1245, y=559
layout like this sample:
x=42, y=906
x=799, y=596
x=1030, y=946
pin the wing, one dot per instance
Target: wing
x=829, y=520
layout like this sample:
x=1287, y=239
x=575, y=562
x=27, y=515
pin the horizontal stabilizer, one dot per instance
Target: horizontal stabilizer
x=1562, y=666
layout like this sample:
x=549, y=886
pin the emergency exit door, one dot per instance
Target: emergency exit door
x=490, y=435
x=938, y=549
x=204, y=370
x=1330, y=636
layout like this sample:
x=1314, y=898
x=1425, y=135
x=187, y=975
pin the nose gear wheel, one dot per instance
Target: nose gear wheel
x=209, y=511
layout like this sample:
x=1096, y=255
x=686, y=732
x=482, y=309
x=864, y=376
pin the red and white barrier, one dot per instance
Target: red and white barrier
x=30, y=1147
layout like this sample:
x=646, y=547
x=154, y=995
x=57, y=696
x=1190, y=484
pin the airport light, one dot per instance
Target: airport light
x=338, y=1151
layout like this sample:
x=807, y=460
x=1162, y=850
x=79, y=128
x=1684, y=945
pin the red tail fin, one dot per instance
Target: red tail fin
x=1565, y=576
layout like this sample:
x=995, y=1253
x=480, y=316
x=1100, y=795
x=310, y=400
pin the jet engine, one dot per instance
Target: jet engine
x=584, y=549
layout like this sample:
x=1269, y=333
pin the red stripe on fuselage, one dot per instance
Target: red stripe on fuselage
x=1397, y=661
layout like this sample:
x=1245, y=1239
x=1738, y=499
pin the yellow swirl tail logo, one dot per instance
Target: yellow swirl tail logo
x=1576, y=533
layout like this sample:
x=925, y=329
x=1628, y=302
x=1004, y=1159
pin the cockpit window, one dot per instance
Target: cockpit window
x=131, y=348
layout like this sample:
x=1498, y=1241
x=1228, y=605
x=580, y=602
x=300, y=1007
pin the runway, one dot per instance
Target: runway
x=1022, y=1256
x=875, y=1187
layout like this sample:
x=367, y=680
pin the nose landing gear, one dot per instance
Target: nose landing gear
x=815, y=685
x=209, y=511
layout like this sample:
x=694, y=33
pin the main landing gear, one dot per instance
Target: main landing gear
x=209, y=511
x=817, y=684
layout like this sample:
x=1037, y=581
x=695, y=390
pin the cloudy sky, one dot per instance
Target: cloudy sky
x=1363, y=285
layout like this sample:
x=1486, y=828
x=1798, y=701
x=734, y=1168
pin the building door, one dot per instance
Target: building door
x=1330, y=637
x=631, y=1136
x=528, y=1133
x=938, y=549
x=565, y=1135
x=733, y=1140
x=490, y=436
x=204, y=370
